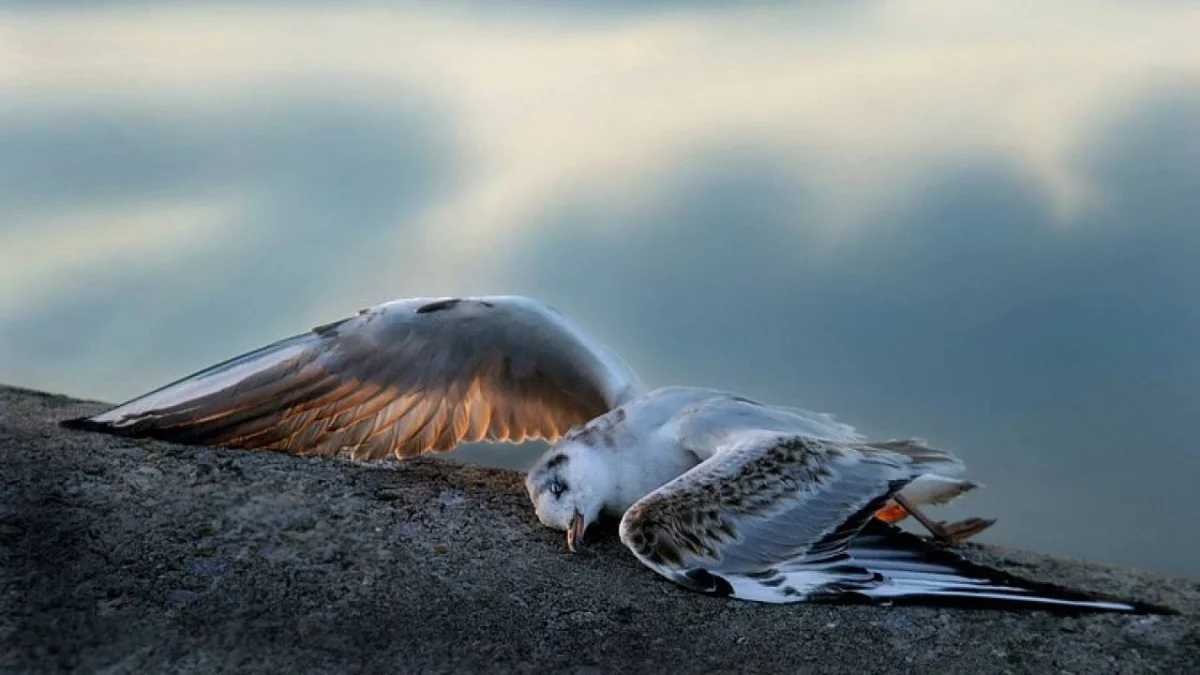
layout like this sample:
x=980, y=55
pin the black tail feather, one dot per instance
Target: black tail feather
x=914, y=562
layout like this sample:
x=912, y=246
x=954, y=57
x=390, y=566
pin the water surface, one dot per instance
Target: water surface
x=976, y=225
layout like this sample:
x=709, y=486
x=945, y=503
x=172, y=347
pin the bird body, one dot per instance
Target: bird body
x=716, y=492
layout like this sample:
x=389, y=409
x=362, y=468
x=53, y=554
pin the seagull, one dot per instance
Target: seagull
x=716, y=492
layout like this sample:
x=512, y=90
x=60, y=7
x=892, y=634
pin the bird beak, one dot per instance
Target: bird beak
x=575, y=532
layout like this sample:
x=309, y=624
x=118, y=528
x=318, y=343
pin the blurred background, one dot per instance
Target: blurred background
x=974, y=222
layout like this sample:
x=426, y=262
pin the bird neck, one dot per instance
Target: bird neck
x=599, y=478
x=643, y=470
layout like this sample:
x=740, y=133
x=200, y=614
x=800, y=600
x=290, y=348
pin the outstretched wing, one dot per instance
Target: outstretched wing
x=402, y=378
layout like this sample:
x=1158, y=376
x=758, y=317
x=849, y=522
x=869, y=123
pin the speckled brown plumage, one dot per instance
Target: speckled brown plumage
x=700, y=512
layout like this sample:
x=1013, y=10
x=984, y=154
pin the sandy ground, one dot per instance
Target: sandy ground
x=118, y=556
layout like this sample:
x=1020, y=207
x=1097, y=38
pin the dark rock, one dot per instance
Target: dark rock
x=128, y=558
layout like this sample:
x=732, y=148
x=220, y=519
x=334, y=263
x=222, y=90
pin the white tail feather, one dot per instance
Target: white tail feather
x=932, y=489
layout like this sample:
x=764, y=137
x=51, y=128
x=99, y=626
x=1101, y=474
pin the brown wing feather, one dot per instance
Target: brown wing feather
x=760, y=502
x=402, y=379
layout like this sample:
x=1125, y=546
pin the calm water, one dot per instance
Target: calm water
x=977, y=227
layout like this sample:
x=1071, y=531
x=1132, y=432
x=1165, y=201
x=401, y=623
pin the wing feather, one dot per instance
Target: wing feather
x=776, y=517
x=761, y=499
x=402, y=378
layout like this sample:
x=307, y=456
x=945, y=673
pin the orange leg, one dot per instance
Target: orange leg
x=892, y=513
x=956, y=531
